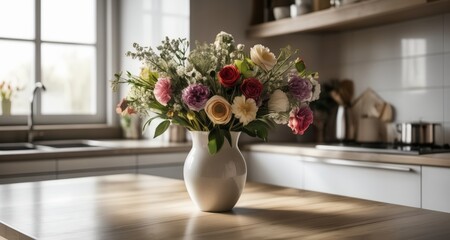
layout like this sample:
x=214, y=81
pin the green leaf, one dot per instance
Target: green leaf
x=147, y=123
x=227, y=135
x=300, y=65
x=181, y=121
x=161, y=128
x=244, y=68
x=153, y=77
x=157, y=105
x=215, y=141
x=257, y=129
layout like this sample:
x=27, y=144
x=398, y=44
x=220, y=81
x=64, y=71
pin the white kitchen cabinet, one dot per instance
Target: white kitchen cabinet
x=22, y=171
x=162, y=164
x=96, y=166
x=76, y=174
x=274, y=168
x=390, y=183
x=169, y=171
x=436, y=188
x=101, y=163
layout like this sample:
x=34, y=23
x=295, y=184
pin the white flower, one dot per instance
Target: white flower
x=244, y=109
x=278, y=102
x=177, y=107
x=181, y=70
x=262, y=57
x=240, y=47
x=316, y=89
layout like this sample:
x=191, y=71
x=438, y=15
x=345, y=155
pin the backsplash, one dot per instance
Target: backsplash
x=407, y=64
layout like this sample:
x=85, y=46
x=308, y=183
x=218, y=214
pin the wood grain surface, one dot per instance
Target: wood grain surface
x=146, y=207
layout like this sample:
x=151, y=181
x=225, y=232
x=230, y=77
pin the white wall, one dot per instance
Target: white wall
x=407, y=63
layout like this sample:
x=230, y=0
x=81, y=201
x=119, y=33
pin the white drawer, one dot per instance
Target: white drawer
x=96, y=163
x=436, y=188
x=390, y=183
x=21, y=167
x=274, y=168
x=95, y=173
x=166, y=171
x=161, y=158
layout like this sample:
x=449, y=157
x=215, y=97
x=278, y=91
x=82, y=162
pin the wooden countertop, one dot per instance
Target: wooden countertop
x=146, y=207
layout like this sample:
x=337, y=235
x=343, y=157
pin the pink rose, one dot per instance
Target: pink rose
x=229, y=75
x=252, y=88
x=163, y=91
x=300, y=118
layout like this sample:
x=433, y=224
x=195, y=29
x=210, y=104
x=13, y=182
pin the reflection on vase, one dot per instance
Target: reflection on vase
x=214, y=182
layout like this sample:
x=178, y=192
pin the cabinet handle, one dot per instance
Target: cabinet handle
x=361, y=164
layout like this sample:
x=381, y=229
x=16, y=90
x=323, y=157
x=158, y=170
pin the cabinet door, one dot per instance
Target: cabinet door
x=27, y=171
x=436, y=188
x=27, y=167
x=162, y=164
x=274, y=168
x=390, y=183
x=158, y=159
x=174, y=171
x=28, y=178
x=111, y=162
x=64, y=175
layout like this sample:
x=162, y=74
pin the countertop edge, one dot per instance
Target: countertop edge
x=126, y=147
x=436, y=160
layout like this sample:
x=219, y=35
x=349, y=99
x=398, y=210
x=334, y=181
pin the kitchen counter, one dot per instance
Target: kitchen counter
x=101, y=148
x=127, y=147
x=437, y=159
x=146, y=207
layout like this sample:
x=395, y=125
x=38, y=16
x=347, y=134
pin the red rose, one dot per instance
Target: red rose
x=229, y=75
x=252, y=88
x=300, y=118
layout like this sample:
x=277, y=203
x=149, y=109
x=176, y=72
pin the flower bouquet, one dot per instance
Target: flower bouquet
x=219, y=88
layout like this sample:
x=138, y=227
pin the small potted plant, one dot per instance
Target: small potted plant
x=6, y=91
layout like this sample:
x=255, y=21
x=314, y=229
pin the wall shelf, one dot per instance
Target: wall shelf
x=352, y=16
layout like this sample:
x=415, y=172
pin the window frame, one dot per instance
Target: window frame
x=100, y=117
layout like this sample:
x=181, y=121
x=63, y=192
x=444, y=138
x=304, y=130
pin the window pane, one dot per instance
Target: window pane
x=68, y=72
x=69, y=21
x=181, y=9
x=17, y=70
x=17, y=19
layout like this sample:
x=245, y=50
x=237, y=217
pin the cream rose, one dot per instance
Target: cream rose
x=218, y=110
x=278, y=102
x=262, y=57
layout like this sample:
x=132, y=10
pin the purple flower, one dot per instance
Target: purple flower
x=300, y=88
x=195, y=96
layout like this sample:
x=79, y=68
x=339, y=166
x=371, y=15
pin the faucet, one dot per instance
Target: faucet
x=37, y=86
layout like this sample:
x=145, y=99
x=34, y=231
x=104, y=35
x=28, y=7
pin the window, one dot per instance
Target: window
x=60, y=43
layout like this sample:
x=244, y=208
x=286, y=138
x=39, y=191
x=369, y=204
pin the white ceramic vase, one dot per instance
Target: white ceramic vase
x=214, y=182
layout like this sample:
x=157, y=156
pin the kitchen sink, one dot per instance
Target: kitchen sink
x=69, y=144
x=50, y=145
x=17, y=146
